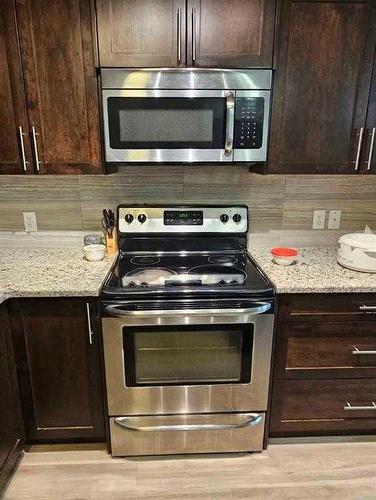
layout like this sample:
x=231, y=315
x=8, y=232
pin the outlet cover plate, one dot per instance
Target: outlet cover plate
x=30, y=222
x=318, y=219
x=334, y=220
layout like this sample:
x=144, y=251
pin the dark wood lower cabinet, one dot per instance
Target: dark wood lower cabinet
x=57, y=353
x=324, y=376
x=11, y=427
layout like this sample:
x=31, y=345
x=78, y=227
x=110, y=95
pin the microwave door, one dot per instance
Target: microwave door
x=168, y=125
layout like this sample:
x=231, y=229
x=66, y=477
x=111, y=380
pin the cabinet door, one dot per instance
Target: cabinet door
x=141, y=33
x=59, y=368
x=369, y=151
x=11, y=433
x=322, y=84
x=236, y=34
x=61, y=85
x=13, y=114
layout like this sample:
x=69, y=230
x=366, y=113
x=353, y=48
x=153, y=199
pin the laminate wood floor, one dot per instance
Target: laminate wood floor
x=289, y=471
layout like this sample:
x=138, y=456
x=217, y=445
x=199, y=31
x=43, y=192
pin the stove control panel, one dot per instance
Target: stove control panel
x=232, y=219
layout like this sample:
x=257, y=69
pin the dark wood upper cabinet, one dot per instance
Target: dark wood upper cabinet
x=141, y=33
x=11, y=426
x=369, y=149
x=58, y=367
x=13, y=114
x=173, y=33
x=57, y=51
x=236, y=34
x=324, y=67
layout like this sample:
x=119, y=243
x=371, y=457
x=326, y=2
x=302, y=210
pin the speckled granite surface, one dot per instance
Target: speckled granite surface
x=50, y=272
x=316, y=271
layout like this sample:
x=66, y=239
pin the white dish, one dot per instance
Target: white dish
x=357, y=251
x=284, y=260
x=94, y=253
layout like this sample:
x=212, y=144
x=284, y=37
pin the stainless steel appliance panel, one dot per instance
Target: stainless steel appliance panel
x=186, y=399
x=176, y=434
x=186, y=78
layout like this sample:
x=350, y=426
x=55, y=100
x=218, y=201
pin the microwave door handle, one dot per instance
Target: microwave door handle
x=116, y=311
x=230, y=119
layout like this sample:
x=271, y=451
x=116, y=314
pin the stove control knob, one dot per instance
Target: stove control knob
x=237, y=218
x=224, y=218
x=128, y=218
x=141, y=218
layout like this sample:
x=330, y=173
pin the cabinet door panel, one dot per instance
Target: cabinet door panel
x=13, y=112
x=11, y=428
x=230, y=34
x=137, y=33
x=61, y=83
x=59, y=369
x=369, y=150
x=322, y=83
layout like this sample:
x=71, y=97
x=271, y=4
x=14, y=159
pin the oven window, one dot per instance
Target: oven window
x=166, y=122
x=215, y=354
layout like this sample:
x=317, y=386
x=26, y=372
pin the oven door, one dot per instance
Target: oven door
x=168, y=125
x=187, y=359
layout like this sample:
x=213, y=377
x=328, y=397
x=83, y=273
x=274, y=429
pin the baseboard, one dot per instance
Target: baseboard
x=324, y=439
x=10, y=465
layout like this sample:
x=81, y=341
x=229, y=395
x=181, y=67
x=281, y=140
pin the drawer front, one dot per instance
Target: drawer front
x=177, y=434
x=326, y=350
x=315, y=406
x=327, y=307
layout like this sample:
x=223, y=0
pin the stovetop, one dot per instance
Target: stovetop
x=186, y=267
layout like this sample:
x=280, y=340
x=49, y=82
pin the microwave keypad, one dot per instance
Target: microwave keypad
x=249, y=121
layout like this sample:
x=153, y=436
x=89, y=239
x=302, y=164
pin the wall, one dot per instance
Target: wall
x=276, y=202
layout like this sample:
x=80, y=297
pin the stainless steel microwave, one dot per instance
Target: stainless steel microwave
x=185, y=115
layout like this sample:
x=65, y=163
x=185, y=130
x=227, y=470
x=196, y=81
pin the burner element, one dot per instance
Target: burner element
x=222, y=259
x=220, y=275
x=147, y=277
x=145, y=261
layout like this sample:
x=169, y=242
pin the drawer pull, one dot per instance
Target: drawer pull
x=366, y=308
x=358, y=352
x=359, y=408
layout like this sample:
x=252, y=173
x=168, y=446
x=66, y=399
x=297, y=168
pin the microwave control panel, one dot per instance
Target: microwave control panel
x=249, y=122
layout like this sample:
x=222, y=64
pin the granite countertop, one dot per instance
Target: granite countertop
x=50, y=272
x=316, y=271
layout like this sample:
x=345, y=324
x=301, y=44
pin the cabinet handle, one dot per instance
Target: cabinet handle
x=179, y=34
x=371, y=148
x=358, y=352
x=36, y=147
x=90, y=330
x=348, y=406
x=24, y=162
x=194, y=35
x=361, y=133
x=369, y=309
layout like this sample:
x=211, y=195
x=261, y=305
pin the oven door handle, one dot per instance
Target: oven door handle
x=115, y=310
x=252, y=419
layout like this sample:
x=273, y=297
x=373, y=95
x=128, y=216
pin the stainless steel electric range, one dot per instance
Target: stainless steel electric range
x=187, y=333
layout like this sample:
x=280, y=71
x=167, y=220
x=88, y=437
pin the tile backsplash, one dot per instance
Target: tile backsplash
x=276, y=202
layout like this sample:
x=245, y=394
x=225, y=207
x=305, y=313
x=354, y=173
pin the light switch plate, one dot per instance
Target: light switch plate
x=334, y=220
x=318, y=219
x=30, y=222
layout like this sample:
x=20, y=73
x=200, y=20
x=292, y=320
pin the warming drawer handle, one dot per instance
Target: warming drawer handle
x=348, y=406
x=117, y=312
x=126, y=422
x=358, y=352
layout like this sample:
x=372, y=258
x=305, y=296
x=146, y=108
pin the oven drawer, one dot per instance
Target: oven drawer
x=177, y=434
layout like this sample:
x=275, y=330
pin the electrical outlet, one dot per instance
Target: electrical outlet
x=318, y=219
x=334, y=219
x=30, y=222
